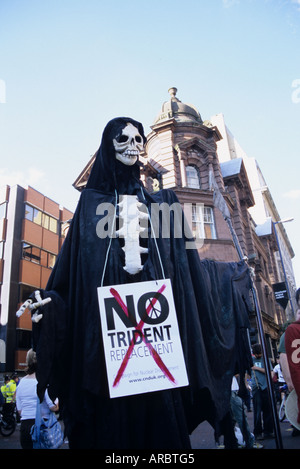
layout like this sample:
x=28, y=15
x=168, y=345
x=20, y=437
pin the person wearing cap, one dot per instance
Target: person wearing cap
x=8, y=392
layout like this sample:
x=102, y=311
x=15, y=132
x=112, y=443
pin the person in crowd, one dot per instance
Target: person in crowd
x=284, y=363
x=292, y=346
x=8, y=393
x=3, y=387
x=246, y=394
x=15, y=378
x=26, y=401
x=239, y=416
x=263, y=423
x=278, y=380
x=284, y=360
x=282, y=351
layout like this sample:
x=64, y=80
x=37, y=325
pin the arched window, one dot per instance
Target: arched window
x=192, y=177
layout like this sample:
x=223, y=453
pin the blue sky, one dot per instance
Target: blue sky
x=67, y=67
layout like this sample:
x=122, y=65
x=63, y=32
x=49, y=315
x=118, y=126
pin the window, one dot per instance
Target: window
x=37, y=216
x=35, y=255
x=209, y=224
x=203, y=224
x=33, y=214
x=46, y=221
x=28, y=212
x=31, y=253
x=2, y=210
x=23, y=339
x=51, y=260
x=40, y=218
x=38, y=256
x=49, y=223
x=26, y=253
x=25, y=292
x=192, y=177
x=52, y=225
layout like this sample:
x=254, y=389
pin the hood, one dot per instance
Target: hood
x=108, y=174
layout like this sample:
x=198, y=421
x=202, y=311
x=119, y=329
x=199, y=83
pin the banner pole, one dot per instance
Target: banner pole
x=263, y=341
x=220, y=203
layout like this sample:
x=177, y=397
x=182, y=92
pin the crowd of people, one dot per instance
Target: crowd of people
x=254, y=388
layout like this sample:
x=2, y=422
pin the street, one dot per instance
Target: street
x=201, y=438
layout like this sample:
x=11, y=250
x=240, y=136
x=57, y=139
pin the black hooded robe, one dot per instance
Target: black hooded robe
x=212, y=312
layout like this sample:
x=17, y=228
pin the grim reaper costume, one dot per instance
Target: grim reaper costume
x=211, y=302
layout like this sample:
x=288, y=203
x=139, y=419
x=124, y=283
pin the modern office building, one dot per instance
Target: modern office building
x=30, y=239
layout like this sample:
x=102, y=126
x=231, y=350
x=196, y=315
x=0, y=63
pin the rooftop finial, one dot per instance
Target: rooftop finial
x=172, y=91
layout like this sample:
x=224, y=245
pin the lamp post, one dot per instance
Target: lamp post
x=286, y=220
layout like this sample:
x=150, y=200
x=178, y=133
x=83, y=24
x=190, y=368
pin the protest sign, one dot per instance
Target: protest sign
x=142, y=345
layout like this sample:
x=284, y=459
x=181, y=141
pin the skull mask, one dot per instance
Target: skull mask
x=128, y=145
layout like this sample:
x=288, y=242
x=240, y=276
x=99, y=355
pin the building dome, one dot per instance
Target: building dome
x=174, y=108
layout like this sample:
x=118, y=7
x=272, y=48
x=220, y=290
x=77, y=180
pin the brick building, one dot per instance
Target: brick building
x=186, y=153
x=30, y=240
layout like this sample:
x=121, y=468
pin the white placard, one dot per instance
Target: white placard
x=141, y=339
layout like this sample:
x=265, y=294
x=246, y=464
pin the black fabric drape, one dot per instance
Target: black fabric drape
x=211, y=300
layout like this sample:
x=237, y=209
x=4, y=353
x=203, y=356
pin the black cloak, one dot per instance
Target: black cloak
x=212, y=305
